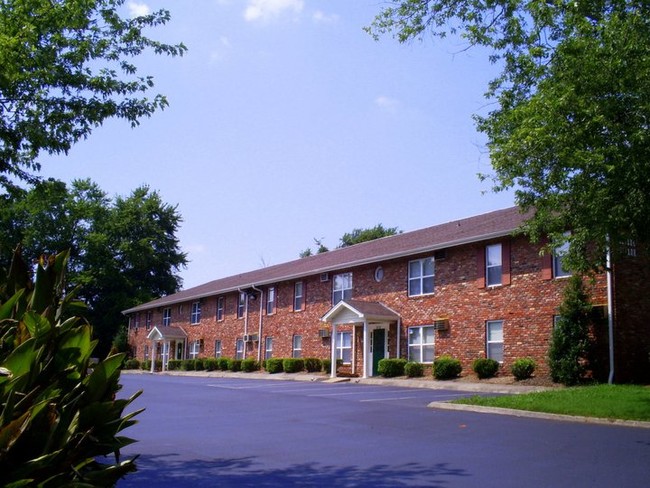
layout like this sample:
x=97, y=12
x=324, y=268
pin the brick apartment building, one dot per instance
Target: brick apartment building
x=469, y=288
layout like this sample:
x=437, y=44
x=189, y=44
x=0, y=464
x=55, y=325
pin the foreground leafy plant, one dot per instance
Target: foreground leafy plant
x=58, y=417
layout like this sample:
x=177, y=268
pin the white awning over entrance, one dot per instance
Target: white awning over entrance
x=370, y=315
x=165, y=335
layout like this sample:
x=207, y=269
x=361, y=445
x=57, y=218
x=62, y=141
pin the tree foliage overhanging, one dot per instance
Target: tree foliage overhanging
x=123, y=251
x=67, y=65
x=570, y=129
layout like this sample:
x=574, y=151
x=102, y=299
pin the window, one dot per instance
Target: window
x=146, y=353
x=195, y=348
x=268, y=348
x=421, y=344
x=167, y=317
x=494, y=334
x=239, y=349
x=220, y=307
x=421, y=272
x=217, y=348
x=270, y=301
x=341, y=287
x=344, y=346
x=493, y=264
x=137, y=321
x=559, y=253
x=148, y=320
x=241, y=305
x=297, y=347
x=195, y=315
x=298, y=295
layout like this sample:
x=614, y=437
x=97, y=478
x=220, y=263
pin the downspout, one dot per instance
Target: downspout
x=259, y=328
x=245, y=319
x=610, y=314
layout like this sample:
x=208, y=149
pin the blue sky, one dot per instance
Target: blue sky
x=287, y=123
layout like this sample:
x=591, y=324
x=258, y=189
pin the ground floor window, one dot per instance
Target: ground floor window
x=421, y=344
x=195, y=348
x=268, y=348
x=344, y=346
x=494, y=336
x=217, y=348
x=239, y=349
x=146, y=353
x=297, y=347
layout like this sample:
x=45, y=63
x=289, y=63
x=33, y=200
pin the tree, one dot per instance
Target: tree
x=569, y=131
x=60, y=418
x=570, y=343
x=357, y=236
x=66, y=67
x=370, y=234
x=121, y=252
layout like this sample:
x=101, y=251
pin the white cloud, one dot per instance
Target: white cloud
x=386, y=103
x=266, y=10
x=138, y=9
x=321, y=17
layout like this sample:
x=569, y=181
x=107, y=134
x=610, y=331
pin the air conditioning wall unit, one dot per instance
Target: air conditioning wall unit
x=440, y=254
x=324, y=277
x=324, y=333
x=250, y=337
x=441, y=324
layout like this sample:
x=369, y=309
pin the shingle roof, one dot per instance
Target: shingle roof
x=458, y=232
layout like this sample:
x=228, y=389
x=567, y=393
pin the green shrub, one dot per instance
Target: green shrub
x=174, y=364
x=234, y=364
x=523, y=368
x=198, y=364
x=274, y=365
x=132, y=364
x=413, y=369
x=446, y=368
x=485, y=368
x=249, y=365
x=188, y=365
x=222, y=364
x=391, y=367
x=312, y=365
x=327, y=365
x=293, y=365
x=210, y=364
x=146, y=365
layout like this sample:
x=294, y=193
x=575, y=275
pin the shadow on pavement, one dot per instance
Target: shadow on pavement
x=165, y=470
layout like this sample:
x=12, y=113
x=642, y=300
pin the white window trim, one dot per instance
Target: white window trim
x=296, y=296
x=558, y=255
x=340, y=347
x=347, y=286
x=421, y=345
x=195, y=349
x=241, y=305
x=296, y=352
x=195, y=315
x=167, y=317
x=422, y=277
x=493, y=266
x=270, y=300
x=268, y=347
x=488, y=341
x=221, y=308
x=218, y=348
x=239, y=349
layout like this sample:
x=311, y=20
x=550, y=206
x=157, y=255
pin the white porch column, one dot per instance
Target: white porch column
x=153, y=355
x=333, y=357
x=366, y=349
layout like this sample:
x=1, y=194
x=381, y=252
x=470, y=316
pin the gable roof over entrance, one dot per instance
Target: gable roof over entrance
x=473, y=229
x=168, y=333
x=355, y=311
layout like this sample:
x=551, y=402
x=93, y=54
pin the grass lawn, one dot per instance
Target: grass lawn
x=625, y=402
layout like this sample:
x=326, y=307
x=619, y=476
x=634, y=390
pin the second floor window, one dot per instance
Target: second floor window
x=148, y=320
x=298, y=297
x=220, y=308
x=493, y=264
x=270, y=301
x=167, y=316
x=421, y=273
x=559, y=270
x=195, y=316
x=341, y=287
x=241, y=305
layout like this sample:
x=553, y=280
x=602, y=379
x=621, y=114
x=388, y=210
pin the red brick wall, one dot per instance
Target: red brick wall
x=526, y=305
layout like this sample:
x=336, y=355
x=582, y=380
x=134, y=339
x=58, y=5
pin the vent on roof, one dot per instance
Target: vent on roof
x=324, y=277
x=440, y=254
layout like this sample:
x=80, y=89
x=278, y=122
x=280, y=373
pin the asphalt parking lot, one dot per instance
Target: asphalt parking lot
x=252, y=432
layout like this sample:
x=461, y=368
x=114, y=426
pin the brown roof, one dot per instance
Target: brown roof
x=458, y=232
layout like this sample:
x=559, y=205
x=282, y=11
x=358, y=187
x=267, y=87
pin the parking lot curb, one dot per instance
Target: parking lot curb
x=538, y=415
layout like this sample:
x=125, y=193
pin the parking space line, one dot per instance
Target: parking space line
x=387, y=399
